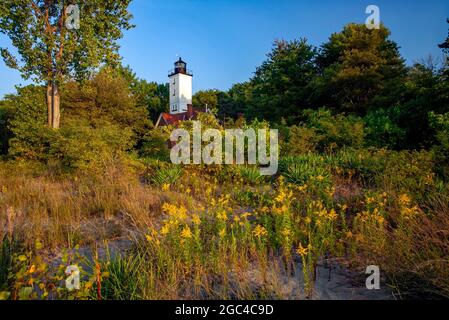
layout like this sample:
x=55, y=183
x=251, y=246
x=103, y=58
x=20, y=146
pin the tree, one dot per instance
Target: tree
x=28, y=136
x=206, y=99
x=445, y=47
x=240, y=96
x=106, y=98
x=50, y=46
x=360, y=69
x=281, y=83
x=154, y=96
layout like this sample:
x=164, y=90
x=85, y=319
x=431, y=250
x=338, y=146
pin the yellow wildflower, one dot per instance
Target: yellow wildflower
x=260, y=231
x=196, y=219
x=186, y=233
x=301, y=250
x=165, y=230
x=221, y=215
x=32, y=269
x=332, y=215
x=165, y=187
x=404, y=199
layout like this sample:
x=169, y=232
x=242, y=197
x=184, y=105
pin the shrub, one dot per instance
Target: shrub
x=162, y=173
x=334, y=132
x=440, y=123
x=27, y=122
x=301, y=140
x=79, y=146
x=382, y=130
x=105, y=98
x=408, y=172
x=306, y=169
x=155, y=146
x=250, y=174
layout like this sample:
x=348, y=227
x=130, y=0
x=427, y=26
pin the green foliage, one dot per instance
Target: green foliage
x=408, y=172
x=440, y=123
x=334, y=132
x=162, y=173
x=426, y=91
x=80, y=146
x=48, y=50
x=105, y=98
x=300, y=140
x=8, y=247
x=27, y=123
x=234, y=103
x=98, y=127
x=153, y=96
x=124, y=280
x=250, y=174
x=382, y=129
x=357, y=65
x=155, y=146
x=306, y=169
x=6, y=110
x=204, y=98
x=280, y=85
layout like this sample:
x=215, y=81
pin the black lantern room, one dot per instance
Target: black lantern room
x=180, y=67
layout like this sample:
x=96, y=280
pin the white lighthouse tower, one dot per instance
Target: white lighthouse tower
x=180, y=88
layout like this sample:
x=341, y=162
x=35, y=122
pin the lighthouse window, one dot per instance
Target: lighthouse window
x=175, y=107
x=174, y=80
x=174, y=92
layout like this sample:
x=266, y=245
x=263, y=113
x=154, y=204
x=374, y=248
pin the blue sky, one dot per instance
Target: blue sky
x=223, y=41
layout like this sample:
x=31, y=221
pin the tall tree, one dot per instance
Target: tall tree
x=358, y=66
x=154, y=96
x=281, y=83
x=52, y=46
x=206, y=99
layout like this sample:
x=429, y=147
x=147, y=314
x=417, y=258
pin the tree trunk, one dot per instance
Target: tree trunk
x=53, y=106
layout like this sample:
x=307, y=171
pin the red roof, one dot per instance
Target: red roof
x=166, y=119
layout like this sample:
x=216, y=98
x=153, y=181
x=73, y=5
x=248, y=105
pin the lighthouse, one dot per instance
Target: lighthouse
x=180, y=79
x=181, y=108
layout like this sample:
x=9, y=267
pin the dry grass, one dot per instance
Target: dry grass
x=62, y=211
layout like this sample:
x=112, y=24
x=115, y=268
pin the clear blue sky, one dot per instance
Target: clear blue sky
x=223, y=41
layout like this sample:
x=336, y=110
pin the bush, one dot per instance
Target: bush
x=27, y=122
x=105, y=98
x=408, y=172
x=301, y=140
x=79, y=146
x=333, y=132
x=250, y=174
x=155, y=146
x=305, y=169
x=440, y=123
x=382, y=130
x=162, y=173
